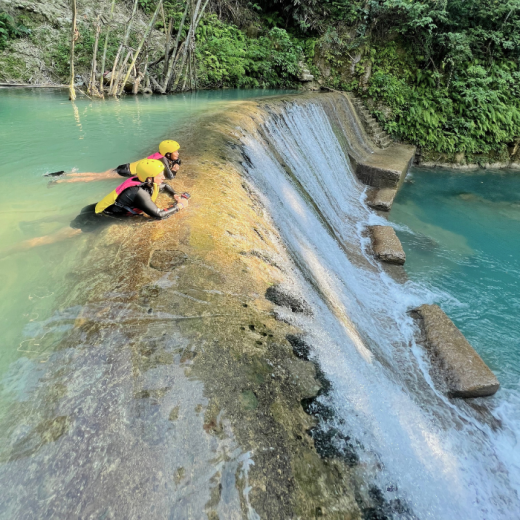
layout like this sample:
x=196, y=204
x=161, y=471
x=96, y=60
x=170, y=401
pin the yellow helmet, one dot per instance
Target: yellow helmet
x=148, y=168
x=169, y=147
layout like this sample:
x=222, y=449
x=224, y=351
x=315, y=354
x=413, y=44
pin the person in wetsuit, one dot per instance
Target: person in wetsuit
x=136, y=196
x=168, y=154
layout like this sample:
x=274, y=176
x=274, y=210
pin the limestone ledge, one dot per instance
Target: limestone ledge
x=187, y=296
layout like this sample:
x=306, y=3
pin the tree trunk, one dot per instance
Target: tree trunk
x=114, y=68
x=187, y=48
x=174, y=52
x=72, y=92
x=129, y=27
x=167, y=48
x=104, y=59
x=145, y=37
x=92, y=89
x=115, y=90
x=190, y=44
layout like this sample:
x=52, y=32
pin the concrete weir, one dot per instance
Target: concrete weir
x=166, y=385
x=171, y=386
x=463, y=370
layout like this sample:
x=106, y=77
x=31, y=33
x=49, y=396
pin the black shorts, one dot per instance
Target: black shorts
x=124, y=170
x=88, y=220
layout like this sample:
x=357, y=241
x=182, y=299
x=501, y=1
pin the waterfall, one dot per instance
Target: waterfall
x=435, y=457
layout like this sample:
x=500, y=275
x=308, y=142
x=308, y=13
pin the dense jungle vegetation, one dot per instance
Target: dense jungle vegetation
x=442, y=74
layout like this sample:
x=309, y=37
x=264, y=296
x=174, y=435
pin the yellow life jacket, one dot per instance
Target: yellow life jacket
x=111, y=198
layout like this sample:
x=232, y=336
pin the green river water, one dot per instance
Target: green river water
x=41, y=132
x=461, y=234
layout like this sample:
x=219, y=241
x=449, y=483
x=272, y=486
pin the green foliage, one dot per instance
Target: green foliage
x=60, y=53
x=9, y=29
x=451, y=79
x=314, y=15
x=228, y=58
x=171, y=7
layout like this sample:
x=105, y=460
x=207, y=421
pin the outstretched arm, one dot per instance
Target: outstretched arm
x=168, y=173
x=180, y=198
x=144, y=202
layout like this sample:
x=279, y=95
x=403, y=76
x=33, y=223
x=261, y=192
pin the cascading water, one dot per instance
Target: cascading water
x=433, y=454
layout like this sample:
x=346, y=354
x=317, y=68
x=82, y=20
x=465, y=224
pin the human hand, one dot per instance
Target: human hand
x=175, y=168
x=181, y=201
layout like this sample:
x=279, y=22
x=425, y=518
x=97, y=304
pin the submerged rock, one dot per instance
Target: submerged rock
x=387, y=247
x=167, y=260
x=464, y=371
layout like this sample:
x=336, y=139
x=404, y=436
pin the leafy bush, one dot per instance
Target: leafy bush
x=452, y=77
x=10, y=30
x=228, y=58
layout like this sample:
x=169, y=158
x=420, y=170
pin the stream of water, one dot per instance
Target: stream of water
x=438, y=458
x=435, y=455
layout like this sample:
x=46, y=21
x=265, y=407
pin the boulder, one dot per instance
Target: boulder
x=465, y=373
x=387, y=247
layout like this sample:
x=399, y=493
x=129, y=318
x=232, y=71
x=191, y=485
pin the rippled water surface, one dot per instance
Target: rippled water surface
x=461, y=233
x=41, y=132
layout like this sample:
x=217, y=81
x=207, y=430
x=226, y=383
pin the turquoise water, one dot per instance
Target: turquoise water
x=40, y=132
x=461, y=234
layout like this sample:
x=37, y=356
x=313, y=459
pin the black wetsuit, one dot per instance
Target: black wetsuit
x=124, y=169
x=136, y=197
x=140, y=197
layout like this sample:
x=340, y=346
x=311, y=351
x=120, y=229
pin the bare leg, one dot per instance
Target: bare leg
x=87, y=177
x=58, y=236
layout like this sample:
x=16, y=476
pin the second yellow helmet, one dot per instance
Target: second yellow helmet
x=168, y=147
x=148, y=168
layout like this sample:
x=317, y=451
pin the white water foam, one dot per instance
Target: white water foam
x=435, y=455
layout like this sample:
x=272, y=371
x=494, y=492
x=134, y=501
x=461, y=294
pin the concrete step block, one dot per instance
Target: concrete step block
x=387, y=247
x=457, y=362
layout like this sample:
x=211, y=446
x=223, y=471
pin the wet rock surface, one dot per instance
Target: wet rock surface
x=165, y=387
x=387, y=247
x=381, y=199
x=167, y=260
x=284, y=298
x=463, y=370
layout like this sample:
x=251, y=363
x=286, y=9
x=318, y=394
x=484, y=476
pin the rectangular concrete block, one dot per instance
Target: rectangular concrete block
x=386, y=168
x=464, y=371
x=381, y=199
x=387, y=247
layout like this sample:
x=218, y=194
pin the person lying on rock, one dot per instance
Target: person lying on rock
x=133, y=198
x=137, y=195
x=168, y=154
